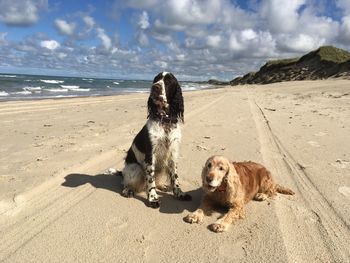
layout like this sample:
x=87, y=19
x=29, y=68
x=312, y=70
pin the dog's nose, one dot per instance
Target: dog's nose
x=209, y=179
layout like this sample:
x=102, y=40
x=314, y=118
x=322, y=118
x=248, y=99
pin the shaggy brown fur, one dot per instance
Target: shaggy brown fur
x=233, y=184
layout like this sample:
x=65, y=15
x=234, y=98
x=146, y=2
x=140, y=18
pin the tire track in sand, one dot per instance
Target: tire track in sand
x=50, y=201
x=311, y=228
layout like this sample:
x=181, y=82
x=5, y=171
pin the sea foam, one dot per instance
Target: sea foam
x=52, y=81
x=33, y=89
x=8, y=76
x=56, y=90
x=25, y=92
x=70, y=87
x=74, y=88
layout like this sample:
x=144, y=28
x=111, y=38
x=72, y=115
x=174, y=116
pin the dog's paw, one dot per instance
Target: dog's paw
x=154, y=204
x=184, y=197
x=192, y=218
x=260, y=197
x=128, y=193
x=164, y=188
x=217, y=227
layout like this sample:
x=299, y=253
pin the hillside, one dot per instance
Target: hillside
x=325, y=62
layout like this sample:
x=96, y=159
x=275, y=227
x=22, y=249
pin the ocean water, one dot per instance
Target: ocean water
x=22, y=87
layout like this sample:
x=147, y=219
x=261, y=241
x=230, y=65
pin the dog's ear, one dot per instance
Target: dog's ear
x=176, y=99
x=231, y=173
x=233, y=180
x=227, y=172
x=151, y=108
x=179, y=103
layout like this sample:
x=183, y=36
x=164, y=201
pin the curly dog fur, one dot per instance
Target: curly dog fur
x=232, y=185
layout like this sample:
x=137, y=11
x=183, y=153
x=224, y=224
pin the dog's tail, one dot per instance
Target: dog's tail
x=283, y=190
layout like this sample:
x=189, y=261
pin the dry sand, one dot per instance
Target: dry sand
x=57, y=206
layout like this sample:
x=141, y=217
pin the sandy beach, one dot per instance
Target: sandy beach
x=56, y=205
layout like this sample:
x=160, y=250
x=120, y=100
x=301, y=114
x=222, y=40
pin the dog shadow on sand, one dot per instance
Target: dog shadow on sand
x=169, y=204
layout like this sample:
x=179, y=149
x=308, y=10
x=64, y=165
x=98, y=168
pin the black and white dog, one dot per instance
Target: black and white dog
x=155, y=149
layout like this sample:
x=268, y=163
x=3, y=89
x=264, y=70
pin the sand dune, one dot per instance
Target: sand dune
x=56, y=205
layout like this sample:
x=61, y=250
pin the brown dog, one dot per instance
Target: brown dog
x=233, y=184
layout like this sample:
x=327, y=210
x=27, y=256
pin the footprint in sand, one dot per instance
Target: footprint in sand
x=13, y=207
x=341, y=163
x=313, y=143
x=6, y=206
x=113, y=226
x=117, y=223
x=345, y=191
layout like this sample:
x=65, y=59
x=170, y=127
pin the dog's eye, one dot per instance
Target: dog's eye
x=221, y=168
x=209, y=165
x=156, y=88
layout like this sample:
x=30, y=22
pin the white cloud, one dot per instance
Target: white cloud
x=251, y=44
x=344, y=35
x=140, y=4
x=89, y=22
x=3, y=38
x=50, y=44
x=64, y=27
x=344, y=5
x=21, y=12
x=143, y=20
x=300, y=43
x=191, y=12
x=236, y=18
x=234, y=43
x=281, y=15
x=311, y=24
x=190, y=42
x=181, y=57
x=142, y=39
x=161, y=36
x=163, y=28
x=214, y=41
x=161, y=64
x=62, y=55
x=248, y=34
x=106, y=40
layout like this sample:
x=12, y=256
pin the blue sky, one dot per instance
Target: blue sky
x=195, y=39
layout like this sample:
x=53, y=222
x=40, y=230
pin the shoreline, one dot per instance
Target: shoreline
x=102, y=95
x=123, y=93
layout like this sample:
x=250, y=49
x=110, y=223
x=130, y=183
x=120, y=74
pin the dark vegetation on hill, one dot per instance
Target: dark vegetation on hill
x=323, y=63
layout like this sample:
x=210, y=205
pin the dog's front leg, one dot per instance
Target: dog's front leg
x=235, y=212
x=178, y=193
x=205, y=208
x=153, y=199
